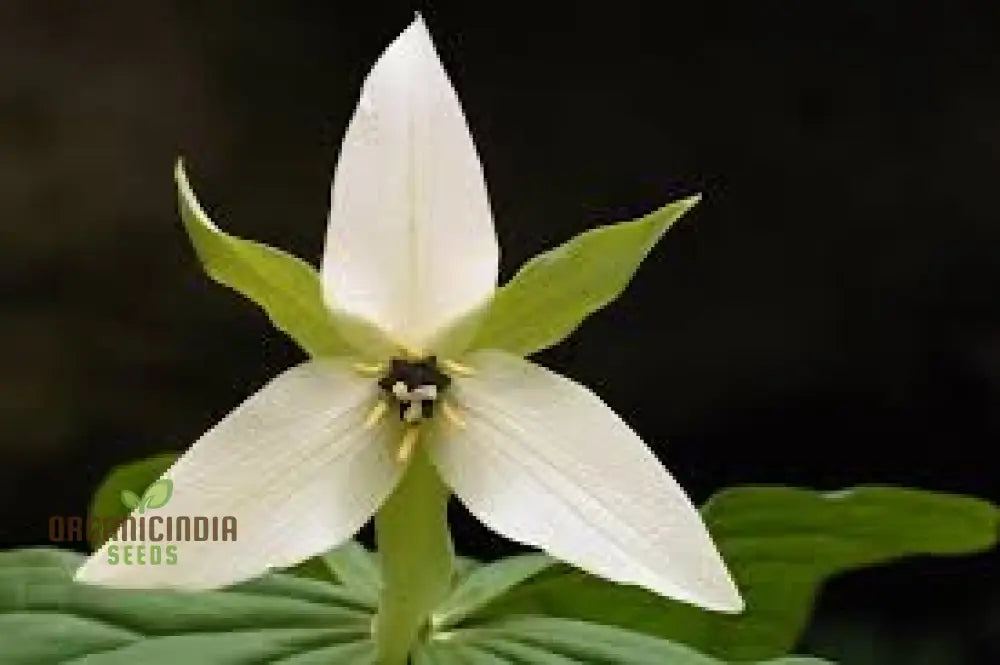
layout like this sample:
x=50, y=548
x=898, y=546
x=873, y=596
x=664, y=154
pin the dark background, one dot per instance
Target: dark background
x=827, y=316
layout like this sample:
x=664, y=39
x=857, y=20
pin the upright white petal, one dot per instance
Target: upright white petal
x=411, y=245
x=292, y=464
x=545, y=462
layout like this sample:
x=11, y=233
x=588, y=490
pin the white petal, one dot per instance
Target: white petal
x=292, y=464
x=545, y=462
x=410, y=246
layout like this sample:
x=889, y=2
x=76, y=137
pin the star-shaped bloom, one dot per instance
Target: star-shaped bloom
x=409, y=269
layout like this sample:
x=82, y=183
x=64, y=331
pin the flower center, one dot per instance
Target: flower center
x=414, y=386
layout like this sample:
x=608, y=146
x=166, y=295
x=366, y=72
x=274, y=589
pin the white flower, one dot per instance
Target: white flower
x=411, y=257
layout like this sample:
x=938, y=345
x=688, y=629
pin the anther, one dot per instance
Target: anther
x=375, y=414
x=410, y=352
x=368, y=369
x=408, y=444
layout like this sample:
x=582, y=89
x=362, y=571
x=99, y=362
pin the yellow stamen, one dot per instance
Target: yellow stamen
x=454, y=367
x=375, y=414
x=451, y=414
x=368, y=369
x=410, y=352
x=408, y=444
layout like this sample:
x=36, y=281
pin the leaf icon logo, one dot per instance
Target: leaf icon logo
x=156, y=496
x=130, y=499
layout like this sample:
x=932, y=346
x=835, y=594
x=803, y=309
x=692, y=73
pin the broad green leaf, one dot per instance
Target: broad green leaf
x=465, y=566
x=486, y=583
x=129, y=499
x=285, y=287
x=351, y=565
x=548, y=641
x=781, y=544
x=555, y=291
x=356, y=568
x=158, y=494
x=108, y=503
x=46, y=618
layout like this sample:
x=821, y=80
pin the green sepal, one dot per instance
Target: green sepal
x=284, y=286
x=555, y=291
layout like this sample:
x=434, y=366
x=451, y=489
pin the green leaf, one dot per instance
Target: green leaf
x=486, y=583
x=46, y=618
x=129, y=499
x=355, y=567
x=109, y=502
x=548, y=641
x=285, y=287
x=158, y=494
x=555, y=291
x=781, y=544
x=351, y=565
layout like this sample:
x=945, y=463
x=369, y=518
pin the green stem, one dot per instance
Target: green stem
x=417, y=558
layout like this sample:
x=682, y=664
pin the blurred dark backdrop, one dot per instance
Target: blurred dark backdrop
x=828, y=316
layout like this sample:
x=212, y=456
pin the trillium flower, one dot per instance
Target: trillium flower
x=408, y=276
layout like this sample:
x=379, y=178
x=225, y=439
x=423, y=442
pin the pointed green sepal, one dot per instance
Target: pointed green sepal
x=284, y=286
x=555, y=291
